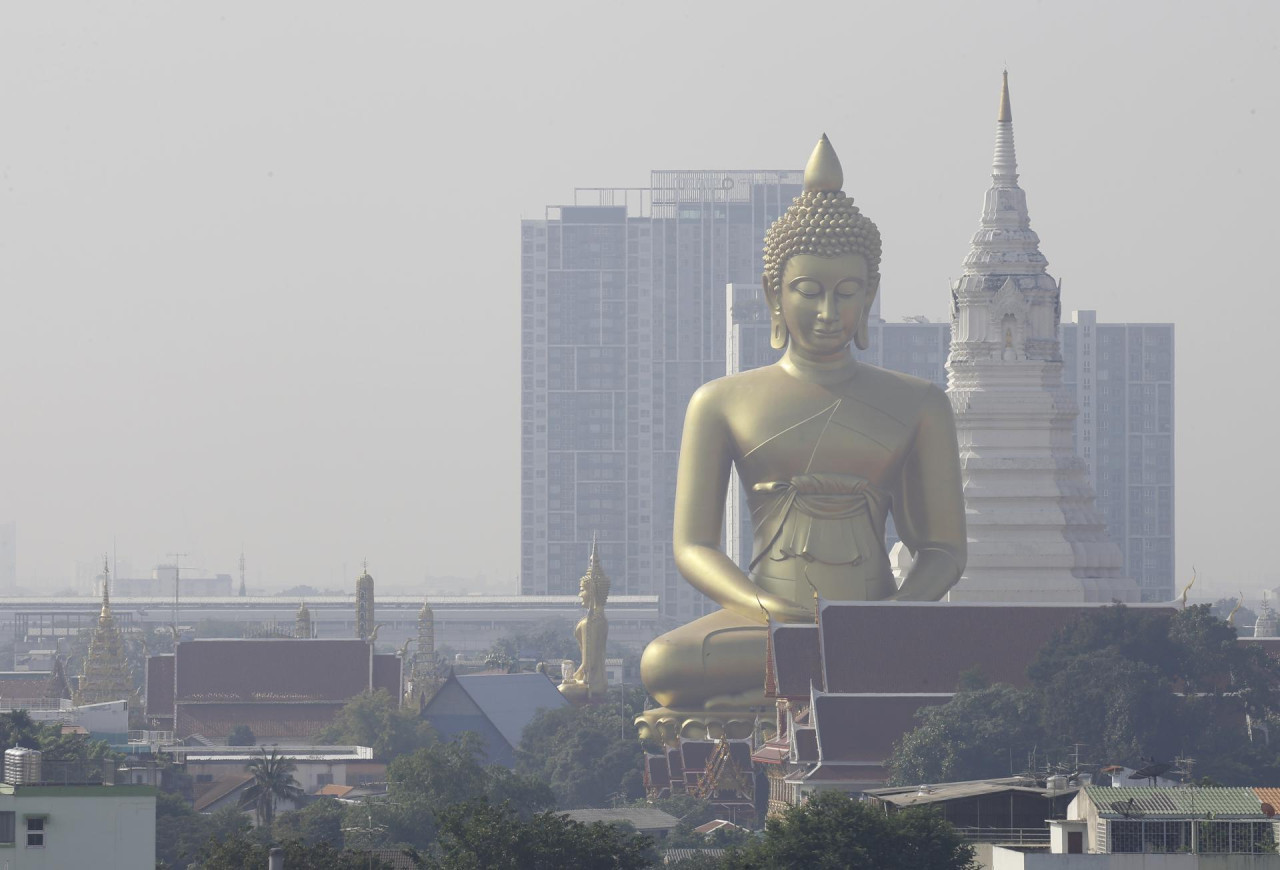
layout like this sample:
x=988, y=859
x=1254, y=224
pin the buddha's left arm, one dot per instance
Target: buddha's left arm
x=928, y=506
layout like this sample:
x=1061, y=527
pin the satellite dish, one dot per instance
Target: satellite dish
x=1268, y=810
x=1125, y=808
x=1151, y=771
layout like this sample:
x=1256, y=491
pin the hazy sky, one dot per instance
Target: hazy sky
x=259, y=263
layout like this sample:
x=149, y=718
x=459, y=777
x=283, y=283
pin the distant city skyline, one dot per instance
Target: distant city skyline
x=269, y=299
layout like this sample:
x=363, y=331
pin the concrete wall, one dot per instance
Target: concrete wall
x=1008, y=859
x=104, y=827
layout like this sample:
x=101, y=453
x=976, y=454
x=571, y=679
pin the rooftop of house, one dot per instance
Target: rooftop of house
x=511, y=700
x=643, y=819
x=917, y=795
x=1173, y=803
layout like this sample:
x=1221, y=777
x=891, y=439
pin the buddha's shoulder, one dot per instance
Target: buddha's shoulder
x=897, y=394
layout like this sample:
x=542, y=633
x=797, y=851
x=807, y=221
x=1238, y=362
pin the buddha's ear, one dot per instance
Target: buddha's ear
x=777, y=326
x=861, y=336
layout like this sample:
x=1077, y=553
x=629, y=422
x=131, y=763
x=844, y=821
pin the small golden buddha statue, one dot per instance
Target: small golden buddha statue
x=590, y=682
x=825, y=448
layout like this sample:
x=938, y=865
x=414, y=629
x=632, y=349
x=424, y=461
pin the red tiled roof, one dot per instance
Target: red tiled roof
x=275, y=669
x=208, y=793
x=924, y=647
x=806, y=745
x=795, y=658
x=335, y=790
x=864, y=727
x=656, y=771
x=772, y=753
x=159, y=683
x=386, y=674
x=24, y=686
x=216, y=721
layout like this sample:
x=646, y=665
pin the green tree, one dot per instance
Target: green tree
x=272, y=781
x=480, y=836
x=241, y=735
x=376, y=720
x=318, y=822
x=180, y=830
x=237, y=853
x=423, y=784
x=590, y=755
x=978, y=733
x=832, y=831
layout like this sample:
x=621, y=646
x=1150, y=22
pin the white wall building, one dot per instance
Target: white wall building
x=55, y=827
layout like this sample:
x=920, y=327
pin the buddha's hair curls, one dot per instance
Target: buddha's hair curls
x=822, y=222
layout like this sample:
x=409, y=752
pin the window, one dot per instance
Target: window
x=35, y=831
x=6, y=828
x=323, y=779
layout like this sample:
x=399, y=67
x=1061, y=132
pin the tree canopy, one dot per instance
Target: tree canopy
x=1125, y=683
x=832, y=831
x=589, y=755
x=377, y=720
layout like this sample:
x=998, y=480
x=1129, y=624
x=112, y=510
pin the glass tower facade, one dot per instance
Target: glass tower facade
x=623, y=316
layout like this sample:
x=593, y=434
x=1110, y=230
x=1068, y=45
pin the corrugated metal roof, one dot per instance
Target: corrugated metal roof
x=643, y=818
x=1176, y=802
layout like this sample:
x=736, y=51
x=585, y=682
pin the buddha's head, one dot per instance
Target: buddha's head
x=593, y=591
x=821, y=265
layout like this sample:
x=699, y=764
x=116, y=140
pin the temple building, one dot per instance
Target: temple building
x=106, y=668
x=302, y=622
x=1035, y=533
x=279, y=687
x=364, y=605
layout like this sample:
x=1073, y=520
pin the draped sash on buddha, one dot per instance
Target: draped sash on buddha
x=833, y=519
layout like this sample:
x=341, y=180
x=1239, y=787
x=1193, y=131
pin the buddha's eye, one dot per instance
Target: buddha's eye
x=849, y=288
x=807, y=287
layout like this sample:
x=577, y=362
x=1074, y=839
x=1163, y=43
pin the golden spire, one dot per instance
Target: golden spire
x=1006, y=110
x=593, y=563
x=105, y=614
x=823, y=171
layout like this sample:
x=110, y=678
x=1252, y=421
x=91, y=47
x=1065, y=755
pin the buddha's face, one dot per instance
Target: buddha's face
x=824, y=300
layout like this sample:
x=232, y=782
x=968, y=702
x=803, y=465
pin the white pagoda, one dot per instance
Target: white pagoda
x=1035, y=533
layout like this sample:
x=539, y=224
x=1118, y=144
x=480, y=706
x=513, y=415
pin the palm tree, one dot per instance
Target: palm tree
x=272, y=780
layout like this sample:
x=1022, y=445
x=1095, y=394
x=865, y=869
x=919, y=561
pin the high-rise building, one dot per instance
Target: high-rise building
x=1035, y=533
x=623, y=313
x=1122, y=376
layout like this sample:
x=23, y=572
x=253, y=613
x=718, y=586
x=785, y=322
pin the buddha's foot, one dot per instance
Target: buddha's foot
x=663, y=726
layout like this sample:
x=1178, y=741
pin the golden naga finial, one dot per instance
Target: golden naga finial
x=1187, y=588
x=1006, y=110
x=1231, y=617
x=823, y=171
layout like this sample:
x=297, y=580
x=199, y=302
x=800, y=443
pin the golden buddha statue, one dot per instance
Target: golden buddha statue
x=825, y=448
x=590, y=682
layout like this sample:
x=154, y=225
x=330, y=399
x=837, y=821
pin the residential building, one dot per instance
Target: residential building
x=1122, y=377
x=46, y=826
x=1157, y=829
x=280, y=687
x=622, y=318
x=497, y=707
x=161, y=583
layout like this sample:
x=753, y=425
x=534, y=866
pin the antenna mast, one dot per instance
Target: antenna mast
x=177, y=576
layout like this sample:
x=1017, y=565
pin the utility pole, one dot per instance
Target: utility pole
x=177, y=577
x=242, y=588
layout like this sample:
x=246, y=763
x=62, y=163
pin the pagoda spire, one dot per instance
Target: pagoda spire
x=106, y=668
x=105, y=614
x=1004, y=166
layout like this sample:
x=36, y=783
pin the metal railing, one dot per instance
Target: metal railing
x=1010, y=836
x=37, y=705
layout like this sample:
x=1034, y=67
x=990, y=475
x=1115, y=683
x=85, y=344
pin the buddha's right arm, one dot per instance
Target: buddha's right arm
x=706, y=456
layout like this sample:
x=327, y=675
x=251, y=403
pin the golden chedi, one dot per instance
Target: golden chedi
x=590, y=681
x=826, y=447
